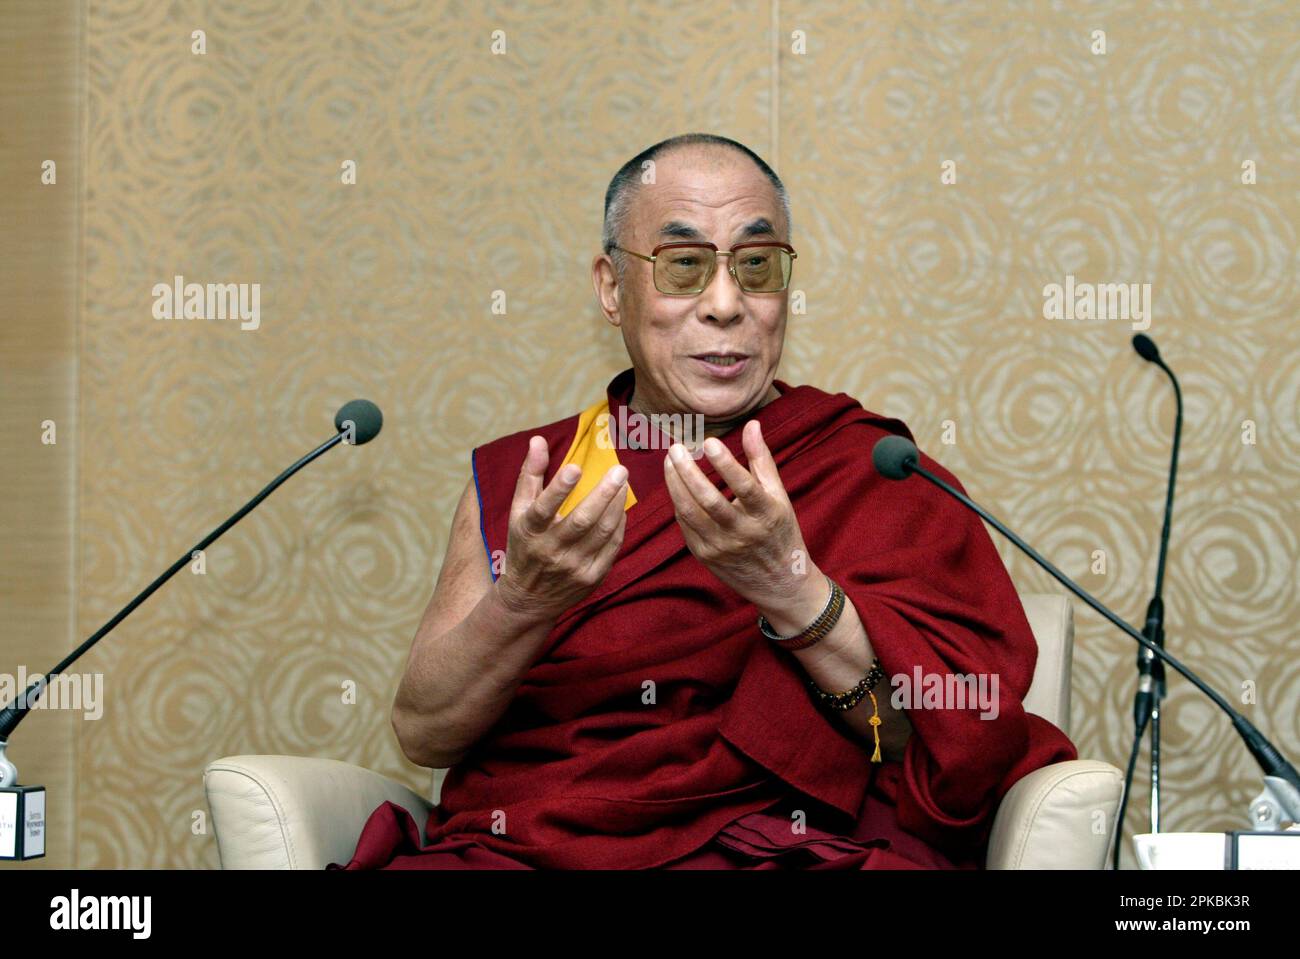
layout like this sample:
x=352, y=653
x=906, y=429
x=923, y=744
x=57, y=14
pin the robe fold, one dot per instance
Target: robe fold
x=657, y=727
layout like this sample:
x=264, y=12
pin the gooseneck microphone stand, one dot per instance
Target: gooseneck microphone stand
x=1151, y=670
x=896, y=457
x=359, y=421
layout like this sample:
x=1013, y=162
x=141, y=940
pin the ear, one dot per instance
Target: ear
x=604, y=280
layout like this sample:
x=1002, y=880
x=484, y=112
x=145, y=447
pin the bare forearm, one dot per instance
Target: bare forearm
x=839, y=661
x=457, y=684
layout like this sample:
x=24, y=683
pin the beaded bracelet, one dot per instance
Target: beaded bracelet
x=847, y=700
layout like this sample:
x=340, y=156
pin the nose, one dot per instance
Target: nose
x=721, y=300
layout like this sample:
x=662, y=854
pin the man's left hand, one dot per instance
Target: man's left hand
x=752, y=543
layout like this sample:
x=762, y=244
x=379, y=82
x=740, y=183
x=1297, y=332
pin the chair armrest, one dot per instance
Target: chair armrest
x=290, y=812
x=1061, y=816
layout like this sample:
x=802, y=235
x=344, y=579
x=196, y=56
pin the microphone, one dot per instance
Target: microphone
x=896, y=458
x=357, y=422
x=363, y=417
x=1146, y=348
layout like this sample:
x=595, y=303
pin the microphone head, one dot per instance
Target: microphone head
x=895, y=457
x=1146, y=348
x=365, y=417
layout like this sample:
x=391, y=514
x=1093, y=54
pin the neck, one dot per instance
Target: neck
x=711, y=427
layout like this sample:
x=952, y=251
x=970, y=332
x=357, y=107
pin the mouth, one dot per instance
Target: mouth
x=722, y=365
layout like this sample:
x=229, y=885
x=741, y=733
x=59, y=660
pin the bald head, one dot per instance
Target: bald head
x=705, y=152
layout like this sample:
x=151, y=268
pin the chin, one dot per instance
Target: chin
x=724, y=400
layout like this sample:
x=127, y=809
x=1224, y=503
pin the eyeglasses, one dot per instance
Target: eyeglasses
x=685, y=269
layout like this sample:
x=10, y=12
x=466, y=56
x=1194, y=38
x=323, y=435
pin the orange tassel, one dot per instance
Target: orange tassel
x=875, y=727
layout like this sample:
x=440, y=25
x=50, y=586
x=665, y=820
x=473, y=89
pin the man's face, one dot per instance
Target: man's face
x=715, y=195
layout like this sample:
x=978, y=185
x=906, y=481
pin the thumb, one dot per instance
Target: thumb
x=529, y=485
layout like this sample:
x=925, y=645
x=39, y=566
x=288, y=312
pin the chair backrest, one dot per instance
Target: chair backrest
x=1051, y=618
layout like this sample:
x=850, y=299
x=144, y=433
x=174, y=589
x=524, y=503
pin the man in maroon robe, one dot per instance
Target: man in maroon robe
x=591, y=666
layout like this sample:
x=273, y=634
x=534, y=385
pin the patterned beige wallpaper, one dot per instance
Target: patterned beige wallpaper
x=41, y=92
x=946, y=162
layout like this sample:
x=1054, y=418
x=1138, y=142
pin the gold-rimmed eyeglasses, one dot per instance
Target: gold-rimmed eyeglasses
x=686, y=268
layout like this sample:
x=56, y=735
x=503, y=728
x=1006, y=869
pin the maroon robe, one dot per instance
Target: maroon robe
x=584, y=775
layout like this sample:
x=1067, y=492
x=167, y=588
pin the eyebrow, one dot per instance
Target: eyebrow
x=684, y=231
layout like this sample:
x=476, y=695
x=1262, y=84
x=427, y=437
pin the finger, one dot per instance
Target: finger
x=587, y=513
x=561, y=485
x=608, y=525
x=534, y=504
x=612, y=542
x=611, y=515
x=714, y=504
x=761, y=462
x=531, y=474
x=689, y=512
x=748, y=490
x=529, y=483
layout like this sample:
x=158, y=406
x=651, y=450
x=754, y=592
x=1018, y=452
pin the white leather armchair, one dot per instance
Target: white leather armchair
x=289, y=812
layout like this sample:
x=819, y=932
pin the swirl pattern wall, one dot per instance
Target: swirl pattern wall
x=481, y=171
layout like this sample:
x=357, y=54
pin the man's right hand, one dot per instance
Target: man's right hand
x=553, y=562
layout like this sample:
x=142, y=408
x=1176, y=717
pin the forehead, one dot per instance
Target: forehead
x=705, y=188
